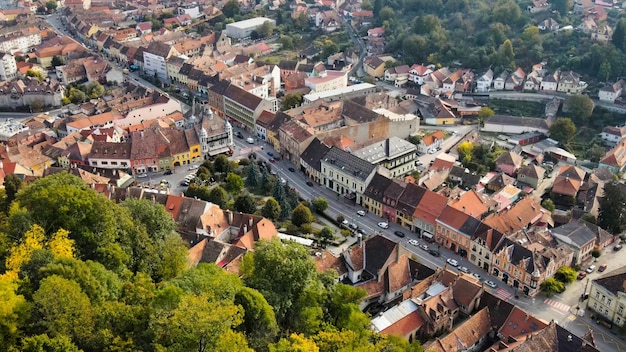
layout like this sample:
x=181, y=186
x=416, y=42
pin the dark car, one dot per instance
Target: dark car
x=434, y=253
x=270, y=154
x=399, y=233
x=168, y=172
x=239, y=135
x=309, y=183
x=185, y=183
x=291, y=169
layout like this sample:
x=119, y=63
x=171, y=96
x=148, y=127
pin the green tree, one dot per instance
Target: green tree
x=326, y=235
x=271, y=209
x=259, y=322
x=295, y=342
x=44, y=343
x=231, y=9
x=292, y=100
x=218, y=196
x=14, y=311
x=36, y=74
x=562, y=6
x=566, y=275
x=465, y=152
x=619, y=35
x=301, y=215
x=548, y=204
x=94, y=90
x=265, y=30
x=286, y=42
x=506, y=54
x=280, y=272
x=245, y=203
x=580, y=107
x=56, y=60
x=484, y=113
x=222, y=164
x=319, y=204
x=612, y=214
x=233, y=183
x=590, y=218
x=12, y=184
x=51, y=5
x=253, y=180
x=77, y=96
x=550, y=286
x=387, y=14
x=563, y=130
x=596, y=253
x=62, y=308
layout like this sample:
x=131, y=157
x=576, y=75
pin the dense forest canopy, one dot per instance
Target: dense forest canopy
x=81, y=273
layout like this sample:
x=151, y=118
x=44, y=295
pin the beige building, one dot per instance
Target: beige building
x=346, y=174
x=607, y=296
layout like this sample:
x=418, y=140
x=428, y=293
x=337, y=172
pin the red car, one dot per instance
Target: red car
x=272, y=160
x=582, y=275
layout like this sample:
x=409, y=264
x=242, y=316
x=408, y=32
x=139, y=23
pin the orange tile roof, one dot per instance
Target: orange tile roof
x=520, y=323
x=465, y=335
x=429, y=139
x=470, y=203
x=405, y=325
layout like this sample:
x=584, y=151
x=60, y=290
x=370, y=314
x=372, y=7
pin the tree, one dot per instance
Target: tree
x=551, y=286
x=562, y=6
x=596, y=253
x=292, y=100
x=619, y=35
x=319, y=204
x=222, y=164
x=588, y=217
x=265, y=30
x=295, y=342
x=231, y=9
x=286, y=42
x=45, y=343
x=12, y=184
x=506, y=54
x=580, y=108
x=484, y=113
x=596, y=153
x=36, y=74
x=94, y=90
x=387, y=14
x=62, y=308
x=271, y=209
x=245, y=203
x=253, y=180
x=280, y=272
x=301, y=215
x=563, y=130
x=77, y=95
x=233, y=183
x=259, y=322
x=612, y=214
x=340, y=219
x=56, y=59
x=548, y=204
x=566, y=275
x=465, y=152
x=218, y=196
x=13, y=311
x=326, y=235
x=51, y=5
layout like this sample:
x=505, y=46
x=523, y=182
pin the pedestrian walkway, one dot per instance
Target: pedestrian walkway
x=558, y=305
x=502, y=294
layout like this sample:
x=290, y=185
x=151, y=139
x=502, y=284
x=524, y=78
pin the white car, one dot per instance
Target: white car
x=452, y=262
x=142, y=175
x=476, y=275
x=383, y=225
x=424, y=247
x=463, y=269
x=490, y=283
x=591, y=269
x=414, y=243
x=193, y=167
x=345, y=222
x=360, y=213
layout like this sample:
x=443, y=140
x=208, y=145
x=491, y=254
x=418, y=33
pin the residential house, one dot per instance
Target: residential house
x=518, y=325
x=569, y=82
x=456, y=229
x=155, y=58
x=108, y=155
x=549, y=25
x=407, y=203
x=567, y=184
x=8, y=67
x=519, y=267
x=483, y=83
x=430, y=143
x=615, y=159
x=509, y=163
x=610, y=93
x=375, y=67
x=262, y=123
x=395, y=154
x=550, y=338
x=499, y=181
x=473, y=203
x=144, y=28
x=243, y=108
x=550, y=82
x=602, y=33
x=374, y=194
x=403, y=320
x=538, y=6
x=294, y=137
x=499, y=82
x=515, y=80
x=391, y=197
x=580, y=237
x=611, y=135
x=327, y=21
x=482, y=247
x=470, y=335
x=531, y=175
x=399, y=75
x=310, y=159
x=327, y=81
x=607, y=296
x=463, y=177
x=418, y=73
x=346, y=174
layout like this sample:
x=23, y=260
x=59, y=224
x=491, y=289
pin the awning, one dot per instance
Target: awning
x=219, y=151
x=427, y=235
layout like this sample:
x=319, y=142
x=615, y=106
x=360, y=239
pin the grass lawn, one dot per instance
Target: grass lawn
x=517, y=108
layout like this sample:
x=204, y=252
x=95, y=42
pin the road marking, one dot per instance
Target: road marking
x=558, y=305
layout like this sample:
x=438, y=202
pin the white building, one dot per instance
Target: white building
x=244, y=29
x=155, y=59
x=328, y=80
x=612, y=92
x=483, y=83
x=341, y=93
x=395, y=154
x=611, y=135
x=20, y=41
x=191, y=10
x=8, y=67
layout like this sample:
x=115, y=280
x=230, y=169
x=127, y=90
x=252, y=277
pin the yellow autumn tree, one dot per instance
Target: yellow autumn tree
x=61, y=245
x=19, y=254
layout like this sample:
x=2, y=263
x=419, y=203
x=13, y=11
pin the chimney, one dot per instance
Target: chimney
x=250, y=221
x=245, y=229
x=182, y=194
x=526, y=318
x=230, y=217
x=569, y=338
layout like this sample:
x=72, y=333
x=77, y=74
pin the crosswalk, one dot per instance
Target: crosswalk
x=558, y=305
x=502, y=294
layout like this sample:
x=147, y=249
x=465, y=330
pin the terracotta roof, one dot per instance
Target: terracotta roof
x=430, y=207
x=398, y=274
x=406, y=325
x=463, y=336
x=465, y=289
x=471, y=203
x=242, y=97
x=520, y=323
x=510, y=158
x=532, y=171
x=524, y=213
x=429, y=139
x=328, y=261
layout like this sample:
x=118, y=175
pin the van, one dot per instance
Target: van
x=250, y=140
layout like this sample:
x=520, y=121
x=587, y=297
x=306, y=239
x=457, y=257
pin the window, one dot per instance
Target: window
x=620, y=311
x=618, y=321
x=608, y=302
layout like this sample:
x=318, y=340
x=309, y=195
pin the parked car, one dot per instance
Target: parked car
x=360, y=213
x=184, y=183
x=383, y=225
x=270, y=154
x=581, y=275
x=490, y=283
x=168, y=172
x=414, y=243
x=463, y=269
x=424, y=247
x=250, y=140
x=399, y=234
x=309, y=183
x=617, y=247
x=272, y=160
x=291, y=169
x=434, y=253
x=452, y=262
x=239, y=135
x=602, y=268
x=144, y=175
x=476, y=275
x=193, y=167
x=591, y=269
